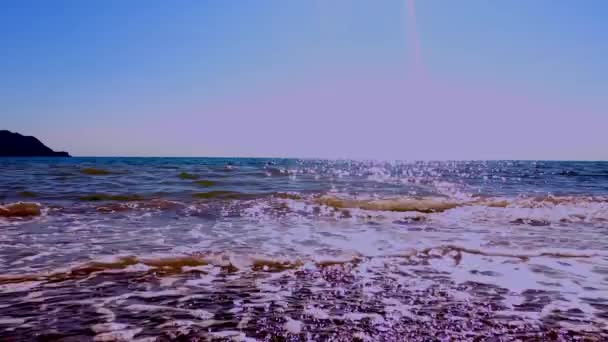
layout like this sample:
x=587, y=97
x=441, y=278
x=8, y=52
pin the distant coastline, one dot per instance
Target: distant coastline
x=13, y=144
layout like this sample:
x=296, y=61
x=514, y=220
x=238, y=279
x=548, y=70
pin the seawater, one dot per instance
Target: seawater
x=160, y=249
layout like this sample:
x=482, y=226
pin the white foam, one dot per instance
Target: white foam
x=316, y=313
x=153, y=294
x=19, y=287
x=137, y=268
x=107, y=327
x=119, y=335
x=293, y=326
x=199, y=313
x=11, y=320
x=357, y=316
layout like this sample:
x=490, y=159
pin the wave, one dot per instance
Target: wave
x=220, y=194
x=544, y=201
x=531, y=210
x=175, y=264
x=456, y=253
x=427, y=205
x=235, y=195
x=539, y=210
x=153, y=204
x=166, y=265
x=20, y=209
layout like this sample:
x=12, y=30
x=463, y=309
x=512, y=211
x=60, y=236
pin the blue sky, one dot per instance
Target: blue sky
x=499, y=79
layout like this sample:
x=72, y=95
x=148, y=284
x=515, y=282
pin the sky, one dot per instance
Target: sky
x=391, y=79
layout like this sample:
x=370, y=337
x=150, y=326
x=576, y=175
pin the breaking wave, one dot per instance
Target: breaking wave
x=241, y=249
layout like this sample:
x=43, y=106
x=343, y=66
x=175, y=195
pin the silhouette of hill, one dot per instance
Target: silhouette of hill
x=17, y=145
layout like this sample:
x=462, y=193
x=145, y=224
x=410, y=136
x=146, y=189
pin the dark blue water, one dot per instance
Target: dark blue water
x=215, y=248
x=61, y=178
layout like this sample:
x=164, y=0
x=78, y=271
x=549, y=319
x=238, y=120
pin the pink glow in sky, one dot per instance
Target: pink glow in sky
x=366, y=118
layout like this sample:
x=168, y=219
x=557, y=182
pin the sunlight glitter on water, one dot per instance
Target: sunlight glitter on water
x=367, y=250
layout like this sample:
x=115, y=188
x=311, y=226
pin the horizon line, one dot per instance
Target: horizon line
x=317, y=158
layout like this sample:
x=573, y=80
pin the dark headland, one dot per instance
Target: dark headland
x=17, y=145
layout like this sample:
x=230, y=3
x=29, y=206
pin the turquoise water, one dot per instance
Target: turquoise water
x=236, y=248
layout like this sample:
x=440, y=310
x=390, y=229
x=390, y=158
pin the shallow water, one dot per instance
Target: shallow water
x=263, y=249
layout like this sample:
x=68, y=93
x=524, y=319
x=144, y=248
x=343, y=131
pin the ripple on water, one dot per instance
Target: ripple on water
x=297, y=250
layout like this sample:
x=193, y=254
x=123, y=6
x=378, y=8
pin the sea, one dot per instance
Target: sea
x=252, y=249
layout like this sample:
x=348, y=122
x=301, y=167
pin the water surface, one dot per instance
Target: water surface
x=154, y=249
